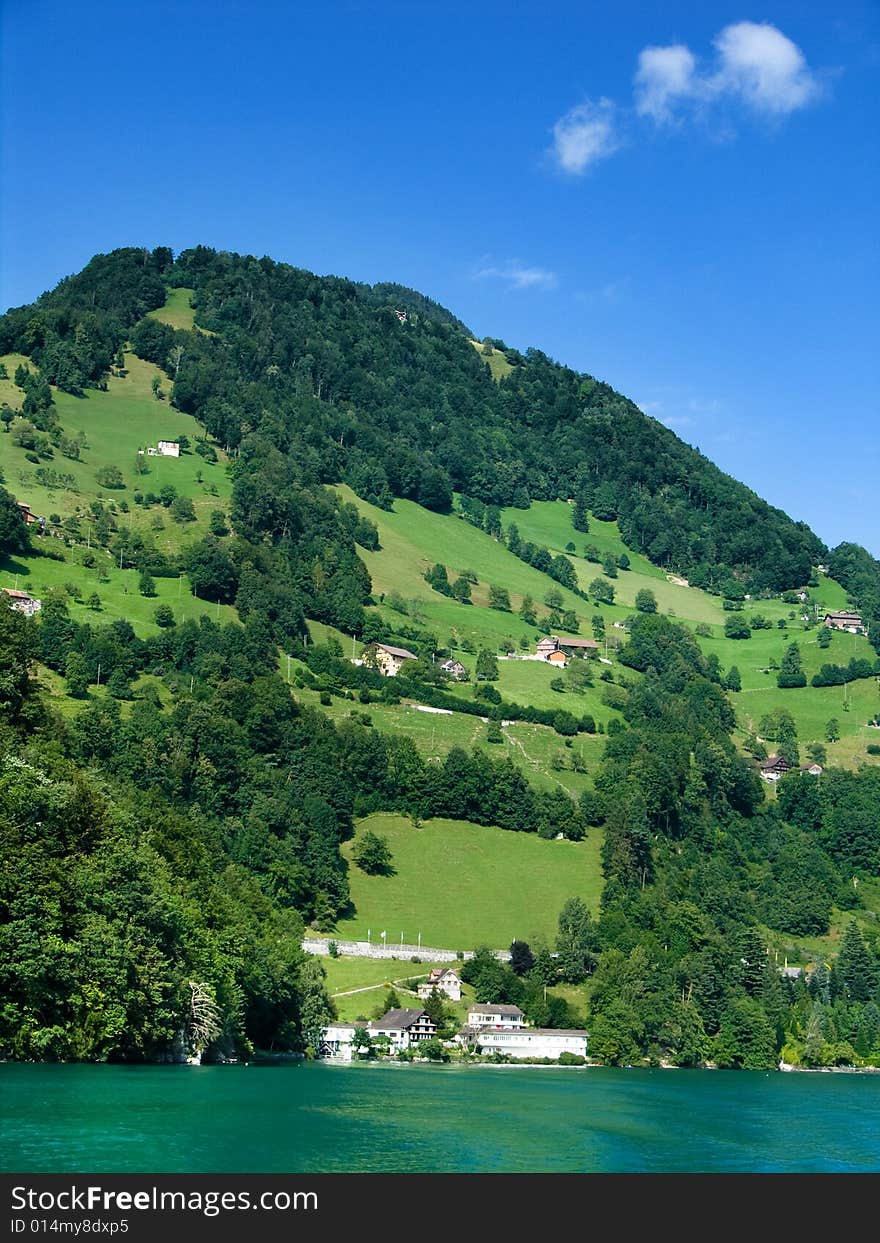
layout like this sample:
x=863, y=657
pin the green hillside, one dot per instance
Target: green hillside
x=412, y=539
x=109, y=428
x=355, y=470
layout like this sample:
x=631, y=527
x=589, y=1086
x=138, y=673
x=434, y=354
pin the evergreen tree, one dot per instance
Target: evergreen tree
x=791, y=672
x=575, y=941
x=522, y=960
x=486, y=668
x=76, y=673
x=461, y=590
x=14, y=535
x=856, y=967
x=435, y=1009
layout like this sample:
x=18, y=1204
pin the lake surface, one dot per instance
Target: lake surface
x=318, y=1118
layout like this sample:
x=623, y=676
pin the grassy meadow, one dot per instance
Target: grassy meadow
x=462, y=885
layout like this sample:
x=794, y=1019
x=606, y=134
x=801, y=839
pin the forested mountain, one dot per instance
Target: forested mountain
x=170, y=828
x=321, y=373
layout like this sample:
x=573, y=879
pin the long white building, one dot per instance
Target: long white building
x=532, y=1042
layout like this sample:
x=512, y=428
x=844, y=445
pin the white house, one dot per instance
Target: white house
x=168, y=448
x=445, y=980
x=501, y=1017
x=337, y=1040
x=402, y=1028
x=22, y=601
x=532, y=1042
x=389, y=660
x=454, y=668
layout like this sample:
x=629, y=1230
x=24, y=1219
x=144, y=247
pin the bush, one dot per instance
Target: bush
x=372, y=854
x=182, y=509
x=737, y=628
x=109, y=477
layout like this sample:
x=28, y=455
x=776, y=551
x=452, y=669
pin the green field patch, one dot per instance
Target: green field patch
x=117, y=590
x=498, y=364
x=548, y=523
x=461, y=885
x=375, y=976
x=110, y=428
x=178, y=311
x=9, y=394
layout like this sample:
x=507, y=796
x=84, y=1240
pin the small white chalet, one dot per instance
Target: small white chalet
x=445, y=980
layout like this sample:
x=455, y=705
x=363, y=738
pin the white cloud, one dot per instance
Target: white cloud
x=584, y=135
x=518, y=275
x=761, y=65
x=756, y=65
x=665, y=75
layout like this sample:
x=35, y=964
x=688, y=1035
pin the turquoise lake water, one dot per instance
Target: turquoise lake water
x=316, y=1118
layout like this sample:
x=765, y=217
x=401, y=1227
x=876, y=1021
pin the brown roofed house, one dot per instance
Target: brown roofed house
x=773, y=767
x=404, y=1027
x=578, y=645
x=851, y=622
x=22, y=601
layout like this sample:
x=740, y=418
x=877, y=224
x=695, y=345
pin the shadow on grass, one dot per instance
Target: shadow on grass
x=8, y=565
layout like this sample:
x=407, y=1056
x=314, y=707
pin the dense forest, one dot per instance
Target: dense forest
x=159, y=863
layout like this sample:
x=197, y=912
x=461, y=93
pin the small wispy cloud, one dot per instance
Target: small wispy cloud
x=665, y=76
x=609, y=292
x=676, y=409
x=586, y=134
x=518, y=275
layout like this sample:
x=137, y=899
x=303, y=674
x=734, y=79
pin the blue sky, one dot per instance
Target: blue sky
x=678, y=198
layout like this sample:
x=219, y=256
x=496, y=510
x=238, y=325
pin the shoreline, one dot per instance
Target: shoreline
x=297, y=1059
